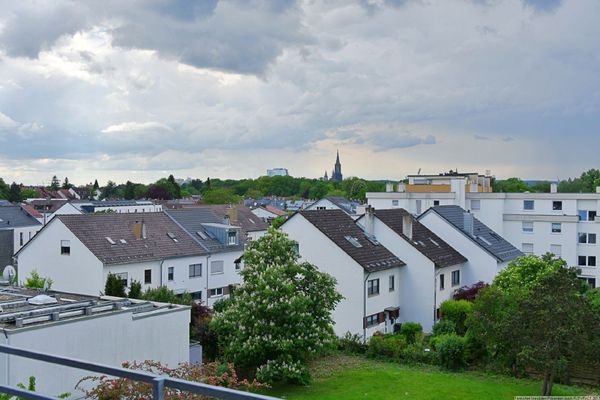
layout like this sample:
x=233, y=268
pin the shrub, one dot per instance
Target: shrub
x=163, y=294
x=35, y=281
x=135, y=291
x=469, y=292
x=443, y=327
x=386, y=346
x=457, y=311
x=410, y=330
x=416, y=353
x=451, y=351
x=350, y=343
x=294, y=372
x=114, y=286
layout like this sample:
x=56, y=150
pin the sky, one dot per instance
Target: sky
x=138, y=90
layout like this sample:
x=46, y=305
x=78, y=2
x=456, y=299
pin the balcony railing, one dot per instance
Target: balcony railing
x=158, y=382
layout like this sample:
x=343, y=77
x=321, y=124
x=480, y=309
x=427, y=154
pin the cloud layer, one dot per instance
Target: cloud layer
x=109, y=90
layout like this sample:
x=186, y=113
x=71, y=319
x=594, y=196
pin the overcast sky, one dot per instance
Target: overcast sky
x=139, y=90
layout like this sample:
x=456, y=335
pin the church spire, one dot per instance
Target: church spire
x=336, y=175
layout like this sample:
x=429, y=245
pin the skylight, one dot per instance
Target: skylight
x=354, y=241
x=109, y=240
x=172, y=236
x=201, y=234
x=123, y=241
x=434, y=242
x=484, y=240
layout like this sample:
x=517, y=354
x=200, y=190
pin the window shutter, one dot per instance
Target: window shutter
x=364, y=322
x=381, y=317
x=226, y=290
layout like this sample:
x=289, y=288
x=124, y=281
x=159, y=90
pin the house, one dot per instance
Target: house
x=337, y=203
x=486, y=251
x=118, y=206
x=433, y=268
x=367, y=273
x=79, y=251
x=268, y=213
x=17, y=228
x=44, y=209
x=103, y=330
x=222, y=231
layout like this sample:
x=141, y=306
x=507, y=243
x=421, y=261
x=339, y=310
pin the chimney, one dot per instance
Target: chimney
x=407, y=226
x=369, y=220
x=554, y=187
x=232, y=213
x=137, y=230
x=401, y=187
x=389, y=187
x=468, y=222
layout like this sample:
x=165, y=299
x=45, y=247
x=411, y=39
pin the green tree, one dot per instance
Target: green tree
x=281, y=315
x=54, y=184
x=163, y=294
x=96, y=186
x=135, y=291
x=35, y=281
x=114, y=286
x=109, y=191
x=28, y=193
x=66, y=184
x=129, y=191
x=14, y=193
x=511, y=185
x=220, y=196
x=3, y=189
x=175, y=187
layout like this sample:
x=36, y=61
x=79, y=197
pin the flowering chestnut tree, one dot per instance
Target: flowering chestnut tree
x=280, y=316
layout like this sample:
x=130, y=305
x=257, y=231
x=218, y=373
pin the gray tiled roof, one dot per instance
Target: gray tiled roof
x=92, y=230
x=424, y=240
x=483, y=235
x=339, y=226
x=15, y=217
x=346, y=205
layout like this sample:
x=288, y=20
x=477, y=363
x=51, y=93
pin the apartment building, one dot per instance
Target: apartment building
x=536, y=223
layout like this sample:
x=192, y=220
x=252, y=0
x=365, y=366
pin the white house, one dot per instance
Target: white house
x=268, y=213
x=336, y=203
x=118, y=206
x=367, y=273
x=17, y=228
x=433, y=268
x=561, y=223
x=97, y=329
x=486, y=251
x=79, y=251
x=222, y=231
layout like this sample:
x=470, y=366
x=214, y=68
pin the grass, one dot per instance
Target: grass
x=350, y=377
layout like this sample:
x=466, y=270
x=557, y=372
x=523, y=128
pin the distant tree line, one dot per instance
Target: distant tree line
x=586, y=183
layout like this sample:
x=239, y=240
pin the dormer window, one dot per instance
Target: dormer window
x=232, y=238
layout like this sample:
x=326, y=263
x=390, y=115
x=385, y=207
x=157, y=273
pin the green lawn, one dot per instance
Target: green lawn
x=345, y=377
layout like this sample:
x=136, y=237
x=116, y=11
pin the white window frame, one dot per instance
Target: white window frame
x=373, y=287
x=171, y=274
x=65, y=247
x=525, y=247
x=475, y=205
x=217, y=267
x=456, y=278
x=526, y=203
x=527, y=226
x=392, y=283
x=556, y=249
x=556, y=227
x=195, y=270
x=216, y=292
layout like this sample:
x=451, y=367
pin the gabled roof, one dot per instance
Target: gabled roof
x=482, y=235
x=48, y=206
x=424, y=240
x=15, y=217
x=94, y=229
x=341, y=229
x=275, y=210
x=346, y=205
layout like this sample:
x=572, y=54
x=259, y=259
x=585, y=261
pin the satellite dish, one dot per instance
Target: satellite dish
x=9, y=273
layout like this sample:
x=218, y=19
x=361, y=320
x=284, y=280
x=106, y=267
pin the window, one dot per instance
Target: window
x=589, y=238
x=238, y=264
x=20, y=238
x=528, y=205
x=217, y=267
x=556, y=249
x=590, y=281
x=65, y=247
x=475, y=205
x=418, y=206
x=196, y=295
x=321, y=208
x=147, y=276
x=373, y=287
x=392, y=283
x=556, y=227
x=395, y=203
x=436, y=203
x=442, y=283
x=232, y=238
x=372, y=320
x=527, y=248
x=585, y=215
x=216, y=292
x=170, y=273
x=456, y=278
x=527, y=226
x=123, y=277
x=589, y=261
x=557, y=205
x=195, y=270
x=297, y=248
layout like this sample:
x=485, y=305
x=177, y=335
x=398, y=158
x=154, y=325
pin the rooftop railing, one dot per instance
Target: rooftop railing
x=158, y=382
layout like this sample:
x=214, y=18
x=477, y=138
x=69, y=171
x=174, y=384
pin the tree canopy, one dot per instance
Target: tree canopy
x=281, y=315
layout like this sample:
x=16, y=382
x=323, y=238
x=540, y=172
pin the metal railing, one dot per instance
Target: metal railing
x=158, y=382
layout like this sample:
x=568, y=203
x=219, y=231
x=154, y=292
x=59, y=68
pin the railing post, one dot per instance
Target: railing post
x=158, y=388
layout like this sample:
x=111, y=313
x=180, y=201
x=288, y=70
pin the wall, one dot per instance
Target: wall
x=109, y=339
x=79, y=272
x=28, y=234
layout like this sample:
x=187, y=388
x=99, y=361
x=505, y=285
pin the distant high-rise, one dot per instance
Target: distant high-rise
x=336, y=174
x=277, y=172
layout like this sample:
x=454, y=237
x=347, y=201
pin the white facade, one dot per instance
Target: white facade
x=535, y=223
x=277, y=172
x=418, y=284
x=24, y=234
x=352, y=280
x=107, y=338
